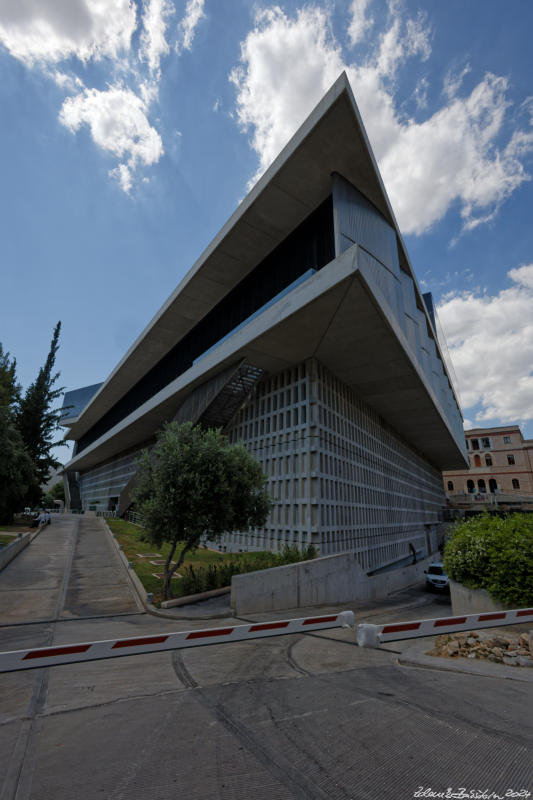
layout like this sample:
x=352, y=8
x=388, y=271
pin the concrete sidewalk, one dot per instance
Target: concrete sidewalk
x=69, y=570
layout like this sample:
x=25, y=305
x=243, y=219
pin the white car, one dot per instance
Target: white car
x=436, y=578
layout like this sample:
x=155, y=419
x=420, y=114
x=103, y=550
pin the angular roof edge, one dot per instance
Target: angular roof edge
x=262, y=220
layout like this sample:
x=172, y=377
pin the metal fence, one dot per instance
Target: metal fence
x=133, y=517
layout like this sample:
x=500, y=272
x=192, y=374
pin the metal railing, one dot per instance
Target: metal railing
x=134, y=518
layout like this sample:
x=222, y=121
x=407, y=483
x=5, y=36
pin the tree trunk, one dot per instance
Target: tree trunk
x=168, y=573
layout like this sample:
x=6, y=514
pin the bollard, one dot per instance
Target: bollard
x=367, y=635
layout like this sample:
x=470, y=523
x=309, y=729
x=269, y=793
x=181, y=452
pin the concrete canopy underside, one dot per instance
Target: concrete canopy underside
x=332, y=139
x=338, y=316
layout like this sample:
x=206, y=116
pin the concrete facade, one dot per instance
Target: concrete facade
x=340, y=477
x=302, y=332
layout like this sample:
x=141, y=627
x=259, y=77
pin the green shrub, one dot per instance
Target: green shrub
x=216, y=576
x=496, y=554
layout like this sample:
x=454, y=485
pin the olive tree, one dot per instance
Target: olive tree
x=194, y=483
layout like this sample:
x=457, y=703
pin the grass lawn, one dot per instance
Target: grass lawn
x=129, y=536
x=6, y=538
x=10, y=532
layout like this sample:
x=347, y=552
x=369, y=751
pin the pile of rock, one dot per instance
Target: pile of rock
x=513, y=650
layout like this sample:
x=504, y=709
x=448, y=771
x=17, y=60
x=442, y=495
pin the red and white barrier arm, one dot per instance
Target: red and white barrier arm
x=113, y=648
x=374, y=635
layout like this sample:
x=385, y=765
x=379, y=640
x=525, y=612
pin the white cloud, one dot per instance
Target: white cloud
x=453, y=158
x=153, y=43
x=70, y=83
x=49, y=35
x=194, y=12
x=453, y=81
x=122, y=174
x=286, y=66
x=522, y=275
x=490, y=339
x=49, y=31
x=420, y=94
x=360, y=23
x=117, y=119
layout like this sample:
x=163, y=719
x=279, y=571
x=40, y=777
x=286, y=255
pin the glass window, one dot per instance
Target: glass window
x=507, y=440
x=471, y=486
x=475, y=444
x=481, y=486
x=450, y=486
x=435, y=571
x=516, y=483
x=510, y=458
x=488, y=461
x=485, y=443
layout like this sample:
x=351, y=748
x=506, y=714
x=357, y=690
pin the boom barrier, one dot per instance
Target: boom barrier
x=114, y=648
x=374, y=635
x=367, y=636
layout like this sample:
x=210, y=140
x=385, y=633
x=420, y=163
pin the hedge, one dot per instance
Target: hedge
x=496, y=554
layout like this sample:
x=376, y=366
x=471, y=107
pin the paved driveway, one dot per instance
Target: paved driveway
x=291, y=717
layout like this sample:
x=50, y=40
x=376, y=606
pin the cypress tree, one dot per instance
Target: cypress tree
x=37, y=421
x=9, y=388
x=17, y=475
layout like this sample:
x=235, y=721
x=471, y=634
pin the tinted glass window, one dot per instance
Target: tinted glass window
x=310, y=246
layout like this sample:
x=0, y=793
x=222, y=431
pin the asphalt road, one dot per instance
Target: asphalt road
x=302, y=716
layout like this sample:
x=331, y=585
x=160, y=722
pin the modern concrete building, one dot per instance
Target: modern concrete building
x=501, y=463
x=301, y=330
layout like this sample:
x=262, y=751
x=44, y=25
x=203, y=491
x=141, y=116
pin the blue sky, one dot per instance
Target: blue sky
x=133, y=128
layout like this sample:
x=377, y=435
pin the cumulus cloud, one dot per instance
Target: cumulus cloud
x=50, y=31
x=286, y=66
x=490, y=339
x=117, y=119
x=453, y=157
x=53, y=35
x=194, y=12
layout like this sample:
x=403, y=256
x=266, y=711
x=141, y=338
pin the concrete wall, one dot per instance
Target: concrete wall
x=323, y=581
x=340, y=477
x=472, y=601
x=8, y=553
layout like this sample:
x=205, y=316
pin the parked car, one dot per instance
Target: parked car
x=436, y=578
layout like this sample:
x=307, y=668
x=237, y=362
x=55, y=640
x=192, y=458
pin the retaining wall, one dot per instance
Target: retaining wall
x=473, y=601
x=322, y=581
x=8, y=553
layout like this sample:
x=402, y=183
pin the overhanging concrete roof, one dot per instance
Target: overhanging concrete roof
x=332, y=139
x=340, y=316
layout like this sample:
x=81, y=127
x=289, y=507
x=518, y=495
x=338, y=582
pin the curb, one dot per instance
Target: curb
x=188, y=599
x=139, y=592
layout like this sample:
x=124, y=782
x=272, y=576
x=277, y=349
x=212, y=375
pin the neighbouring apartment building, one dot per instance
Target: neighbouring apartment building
x=501, y=462
x=302, y=332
